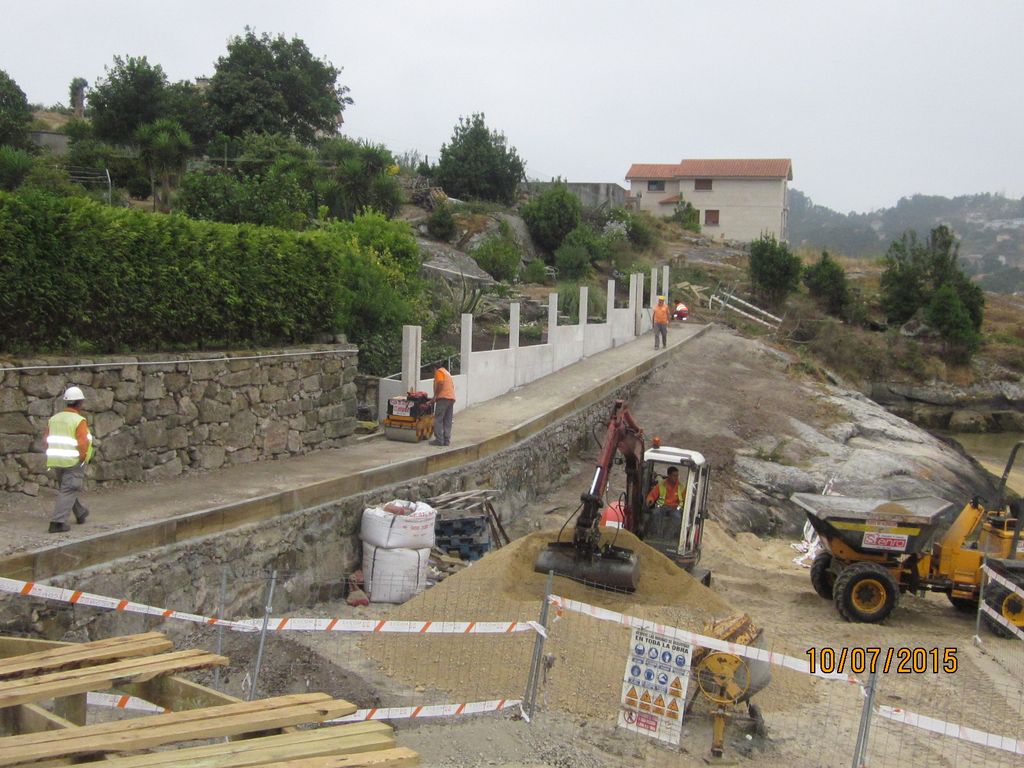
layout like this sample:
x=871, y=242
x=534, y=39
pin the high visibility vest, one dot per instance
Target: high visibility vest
x=444, y=385
x=663, y=494
x=61, y=442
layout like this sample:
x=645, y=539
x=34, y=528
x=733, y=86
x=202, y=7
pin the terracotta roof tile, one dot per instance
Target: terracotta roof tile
x=653, y=171
x=780, y=168
x=670, y=200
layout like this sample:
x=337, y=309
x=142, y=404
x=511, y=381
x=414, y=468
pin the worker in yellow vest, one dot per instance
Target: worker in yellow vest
x=68, y=449
x=661, y=318
x=444, y=405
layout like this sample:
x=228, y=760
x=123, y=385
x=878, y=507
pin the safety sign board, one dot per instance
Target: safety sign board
x=654, y=686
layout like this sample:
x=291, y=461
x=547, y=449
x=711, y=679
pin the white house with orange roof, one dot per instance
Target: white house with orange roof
x=736, y=199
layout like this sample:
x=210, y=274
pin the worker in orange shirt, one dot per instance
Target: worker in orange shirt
x=661, y=318
x=68, y=449
x=444, y=405
x=664, y=515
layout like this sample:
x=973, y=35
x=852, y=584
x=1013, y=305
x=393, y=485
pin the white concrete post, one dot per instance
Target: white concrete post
x=609, y=302
x=654, y=286
x=664, y=285
x=513, y=325
x=584, y=304
x=411, y=361
x=638, y=308
x=552, y=316
x=465, y=354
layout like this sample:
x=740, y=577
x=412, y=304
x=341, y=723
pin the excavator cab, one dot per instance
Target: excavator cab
x=676, y=534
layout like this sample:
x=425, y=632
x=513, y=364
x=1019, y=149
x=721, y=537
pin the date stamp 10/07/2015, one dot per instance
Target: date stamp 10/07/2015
x=869, y=659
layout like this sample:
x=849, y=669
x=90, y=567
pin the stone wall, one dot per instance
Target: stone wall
x=313, y=550
x=155, y=417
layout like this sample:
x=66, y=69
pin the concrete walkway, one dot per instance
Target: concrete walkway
x=136, y=517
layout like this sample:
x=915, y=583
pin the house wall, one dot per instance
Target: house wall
x=747, y=207
x=651, y=201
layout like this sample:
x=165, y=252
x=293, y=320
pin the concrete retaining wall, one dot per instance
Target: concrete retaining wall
x=155, y=417
x=313, y=548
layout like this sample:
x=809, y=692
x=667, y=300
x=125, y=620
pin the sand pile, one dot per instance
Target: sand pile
x=589, y=654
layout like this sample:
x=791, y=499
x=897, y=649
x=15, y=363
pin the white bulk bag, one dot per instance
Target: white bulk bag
x=394, y=575
x=414, y=529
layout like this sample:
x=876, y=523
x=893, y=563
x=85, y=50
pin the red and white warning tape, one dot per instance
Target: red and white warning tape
x=738, y=649
x=32, y=589
x=998, y=579
x=1005, y=743
x=1000, y=619
x=75, y=597
x=428, y=710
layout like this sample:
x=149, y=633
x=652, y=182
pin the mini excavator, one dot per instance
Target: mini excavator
x=585, y=558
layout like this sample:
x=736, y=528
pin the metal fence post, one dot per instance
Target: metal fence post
x=981, y=601
x=533, y=681
x=220, y=627
x=860, y=751
x=263, y=635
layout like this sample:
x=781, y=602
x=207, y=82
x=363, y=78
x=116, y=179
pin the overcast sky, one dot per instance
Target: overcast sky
x=871, y=100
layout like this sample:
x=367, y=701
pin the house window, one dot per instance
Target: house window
x=710, y=218
x=702, y=185
x=656, y=186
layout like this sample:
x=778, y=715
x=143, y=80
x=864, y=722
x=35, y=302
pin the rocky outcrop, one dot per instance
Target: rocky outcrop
x=995, y=405
x=865, y=451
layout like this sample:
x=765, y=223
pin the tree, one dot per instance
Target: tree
x=552, y=215
x=128, y=96
x=163, y=146
x=916, y=271
x=478, y=164
x=76, y=96
x=273, y=85
x=184, y=103
x=826, y=281
x=948, y=315
x=15, y=114
x=774, y=269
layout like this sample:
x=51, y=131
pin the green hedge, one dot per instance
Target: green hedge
x=75, y=274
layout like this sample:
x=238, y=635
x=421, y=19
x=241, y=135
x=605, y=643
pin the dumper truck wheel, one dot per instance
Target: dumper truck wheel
x=865, y=592
x=1007, y=604
x=822, y=579
x=963, y=604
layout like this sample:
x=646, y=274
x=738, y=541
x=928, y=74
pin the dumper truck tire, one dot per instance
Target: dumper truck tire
x=1007, y=604
x=822, y=579
x=963, y=604
x=865, y=592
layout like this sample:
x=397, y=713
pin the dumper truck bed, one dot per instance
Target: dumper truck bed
x=897, y=526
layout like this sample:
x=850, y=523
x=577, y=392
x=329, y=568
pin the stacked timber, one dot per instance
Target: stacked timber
x=260, y=733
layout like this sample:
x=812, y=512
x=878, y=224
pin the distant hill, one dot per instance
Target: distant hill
x=990, y=229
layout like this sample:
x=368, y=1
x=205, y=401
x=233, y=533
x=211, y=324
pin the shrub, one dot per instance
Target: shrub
x=947, y=314
x=774, y=269
x=499, y=257
x=126, y=279
x=596, y=246
x=551, y=216
x=534, y=271
x=686, y=216
x=15, y=165
x=393, y=240
x=826, y=281
x=441, y=223
x=139, y=187
x=572, y=262
x=641, y=231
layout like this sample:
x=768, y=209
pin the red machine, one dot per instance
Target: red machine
x=681, y=311
x=585, y=558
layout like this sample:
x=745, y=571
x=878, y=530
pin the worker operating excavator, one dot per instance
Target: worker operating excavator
x=664, y=501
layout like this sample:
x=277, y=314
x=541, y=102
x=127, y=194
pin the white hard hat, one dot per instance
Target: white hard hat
x=74, y=393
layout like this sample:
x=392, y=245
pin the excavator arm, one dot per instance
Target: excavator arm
x=585, y=559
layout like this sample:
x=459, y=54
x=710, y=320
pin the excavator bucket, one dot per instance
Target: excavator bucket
x=611, y=567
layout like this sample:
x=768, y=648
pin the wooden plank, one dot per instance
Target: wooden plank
x=17, y=646
x=31, y=718
x=83, y=654
x=329, y=740
x=103, y=676
x=168, y=728
x=176, y=694
x=390, y=758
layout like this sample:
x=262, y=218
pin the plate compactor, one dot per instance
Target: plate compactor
x=410, y=418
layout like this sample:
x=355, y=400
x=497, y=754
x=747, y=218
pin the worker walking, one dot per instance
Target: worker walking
x=68, y=449
x=665, y=499
x=444, y=405
x=661, y=319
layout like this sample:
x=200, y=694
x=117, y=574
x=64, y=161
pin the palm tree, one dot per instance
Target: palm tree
x=163, y=146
